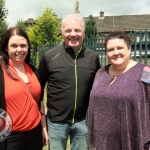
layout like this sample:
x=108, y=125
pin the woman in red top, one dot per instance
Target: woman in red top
x=22, y=93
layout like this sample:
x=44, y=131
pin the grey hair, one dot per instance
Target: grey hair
x=76, y=17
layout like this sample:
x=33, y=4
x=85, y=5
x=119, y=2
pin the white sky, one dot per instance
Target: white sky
x=23, y=9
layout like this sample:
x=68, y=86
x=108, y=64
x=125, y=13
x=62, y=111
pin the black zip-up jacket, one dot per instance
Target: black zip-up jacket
x=70, y=77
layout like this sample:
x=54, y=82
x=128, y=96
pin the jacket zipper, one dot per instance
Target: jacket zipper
x=76, y=86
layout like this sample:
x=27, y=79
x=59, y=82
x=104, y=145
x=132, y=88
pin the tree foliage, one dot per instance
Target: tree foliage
x=3, y=29
x=45, y=30
x=21, y=24
x=3, y=11
x=90, y=28
x=3, y=15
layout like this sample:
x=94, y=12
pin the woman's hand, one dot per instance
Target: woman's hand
x=45, y=136
x=44, y=126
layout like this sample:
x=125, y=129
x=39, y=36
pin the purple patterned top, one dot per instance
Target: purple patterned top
x=118, y=116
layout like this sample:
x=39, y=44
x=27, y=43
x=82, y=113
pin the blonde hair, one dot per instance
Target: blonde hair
x=76, y=17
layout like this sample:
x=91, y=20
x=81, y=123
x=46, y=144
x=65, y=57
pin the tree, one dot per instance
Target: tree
x=21, y=24
x=3, y=29
x=45, y=30
x=3, y=14
x=3, y=11
x=90, y=28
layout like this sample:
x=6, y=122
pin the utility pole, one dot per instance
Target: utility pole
x=76, y=10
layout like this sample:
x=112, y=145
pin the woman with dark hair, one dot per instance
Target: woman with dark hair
x=21, y=96
x=118, y=116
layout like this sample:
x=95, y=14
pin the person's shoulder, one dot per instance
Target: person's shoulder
x=35, y=70
x=53, y=50
x=90, y=52
x=146, y=68
x=103, y=69
x=145, y=77
x=50, y=54
x=32, y=67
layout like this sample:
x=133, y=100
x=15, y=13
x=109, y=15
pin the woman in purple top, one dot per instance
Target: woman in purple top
x=118, y=116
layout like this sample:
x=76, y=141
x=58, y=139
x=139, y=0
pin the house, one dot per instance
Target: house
x=29, y=22
x=106, y=24
x=128, y=23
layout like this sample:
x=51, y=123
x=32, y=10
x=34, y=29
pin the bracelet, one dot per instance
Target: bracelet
x=42, y=113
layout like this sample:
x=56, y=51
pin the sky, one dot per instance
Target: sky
x=24, y=9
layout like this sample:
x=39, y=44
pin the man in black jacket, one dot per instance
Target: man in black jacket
x=69, y=70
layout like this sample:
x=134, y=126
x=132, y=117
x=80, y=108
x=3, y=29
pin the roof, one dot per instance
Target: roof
x=29, y=21
x=107, y=24
x=124, y=23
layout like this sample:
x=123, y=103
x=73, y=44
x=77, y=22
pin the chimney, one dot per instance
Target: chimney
x=54, y=15
x=101, y=14
x=30, y=19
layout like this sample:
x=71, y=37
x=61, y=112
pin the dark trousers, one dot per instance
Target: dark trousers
x=29, y=140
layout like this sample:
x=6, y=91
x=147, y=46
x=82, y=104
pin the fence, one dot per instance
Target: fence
x=140, y=50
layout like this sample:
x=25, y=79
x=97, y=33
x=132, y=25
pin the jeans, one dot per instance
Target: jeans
x=59, y=132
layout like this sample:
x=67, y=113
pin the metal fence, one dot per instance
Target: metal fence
x=140, y=50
